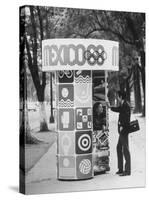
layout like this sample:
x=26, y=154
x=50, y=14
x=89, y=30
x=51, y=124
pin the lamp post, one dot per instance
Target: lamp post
x=51, y=120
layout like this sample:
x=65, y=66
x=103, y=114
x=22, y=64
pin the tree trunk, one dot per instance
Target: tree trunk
x=127, y=90
x=143, y=77
x=137, y=91
x=51, y=100
x=33, y=66
x=28, y=137
x=43, y=117
x=143, y=85
x=25, y=130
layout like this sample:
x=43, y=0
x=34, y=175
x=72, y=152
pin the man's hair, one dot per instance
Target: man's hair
x=122, y=94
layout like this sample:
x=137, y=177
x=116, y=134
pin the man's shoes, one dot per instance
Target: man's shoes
x=119, y=172
x=125, y=174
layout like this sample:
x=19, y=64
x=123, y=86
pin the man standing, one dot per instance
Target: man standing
x=123, y=130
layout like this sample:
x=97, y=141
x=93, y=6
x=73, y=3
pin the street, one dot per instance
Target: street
x=42, y=177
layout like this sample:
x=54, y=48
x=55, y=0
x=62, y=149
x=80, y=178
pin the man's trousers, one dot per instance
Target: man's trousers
x=123, y=152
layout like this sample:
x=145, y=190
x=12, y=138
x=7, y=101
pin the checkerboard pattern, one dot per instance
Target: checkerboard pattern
x=83, y=118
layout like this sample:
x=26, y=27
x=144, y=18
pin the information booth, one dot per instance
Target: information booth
x=80, y=67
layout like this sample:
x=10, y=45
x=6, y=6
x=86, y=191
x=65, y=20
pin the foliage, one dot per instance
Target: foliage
x=128, y=28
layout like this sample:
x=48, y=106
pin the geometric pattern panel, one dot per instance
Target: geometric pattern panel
x=82, y=76
x=84, y=166
x=65, y=76
x=83, y=142
x=66, y=95
x=100, y=141
x=66, y=167
x=102, y=137
x=65, y=119
x=83, y=118
x=83, y=95
x=66, y=143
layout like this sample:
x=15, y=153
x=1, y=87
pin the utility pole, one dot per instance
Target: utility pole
x=51, y=120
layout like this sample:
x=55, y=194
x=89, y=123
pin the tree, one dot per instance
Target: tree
x=31, y=44
x=39, y=23
x=126, y=27
x=25, y=130
x=137, y=91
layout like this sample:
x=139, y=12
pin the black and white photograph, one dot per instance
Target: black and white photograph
x=82, y=99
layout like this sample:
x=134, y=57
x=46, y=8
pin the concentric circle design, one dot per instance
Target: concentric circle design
x=85, y=166
x=84, y=142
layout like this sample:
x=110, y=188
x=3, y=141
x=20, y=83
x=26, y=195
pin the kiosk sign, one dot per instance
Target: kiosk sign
x=79, y=54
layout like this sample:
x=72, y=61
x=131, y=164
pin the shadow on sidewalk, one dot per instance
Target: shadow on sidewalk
x=14, y=188
x=34, y=152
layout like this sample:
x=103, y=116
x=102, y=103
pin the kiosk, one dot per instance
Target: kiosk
x=82, y=117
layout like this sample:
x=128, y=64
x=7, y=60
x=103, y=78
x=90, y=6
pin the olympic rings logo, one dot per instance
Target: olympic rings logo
x=97, y=56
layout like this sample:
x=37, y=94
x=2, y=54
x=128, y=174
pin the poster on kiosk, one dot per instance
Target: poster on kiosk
x=81, y=67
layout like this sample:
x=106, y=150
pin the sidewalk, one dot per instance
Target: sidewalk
x=42, y=177
x=33, y=152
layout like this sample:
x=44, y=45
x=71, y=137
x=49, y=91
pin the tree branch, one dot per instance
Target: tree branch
x=30, y=63
x=120, y=37
x=107, y=29
x=42, y=37
x=40, y=23
x=35, y=46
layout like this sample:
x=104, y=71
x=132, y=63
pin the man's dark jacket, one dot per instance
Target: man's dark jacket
x=124, y=115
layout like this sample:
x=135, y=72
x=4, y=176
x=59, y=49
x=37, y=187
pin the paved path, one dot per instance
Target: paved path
x=42, y=177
